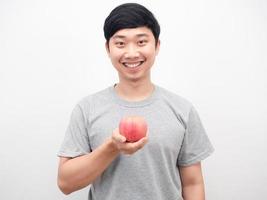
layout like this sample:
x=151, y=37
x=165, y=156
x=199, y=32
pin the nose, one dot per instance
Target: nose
x=131, y=52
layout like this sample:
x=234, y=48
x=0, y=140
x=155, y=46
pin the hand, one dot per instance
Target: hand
x=127, y=147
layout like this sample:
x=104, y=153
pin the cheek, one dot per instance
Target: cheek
x=149, y=52
x=115, y=55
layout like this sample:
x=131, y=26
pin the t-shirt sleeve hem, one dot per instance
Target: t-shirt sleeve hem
x=197, y=159
x=70, y=154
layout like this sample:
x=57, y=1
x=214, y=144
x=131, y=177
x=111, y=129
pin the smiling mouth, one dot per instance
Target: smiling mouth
x=132, y=65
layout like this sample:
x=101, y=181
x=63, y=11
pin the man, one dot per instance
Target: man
x=164, y=165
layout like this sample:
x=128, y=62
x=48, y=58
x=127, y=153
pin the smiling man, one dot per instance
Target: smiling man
x=164, y=165
x=132, y=52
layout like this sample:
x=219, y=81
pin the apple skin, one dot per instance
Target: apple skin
x=133, y=128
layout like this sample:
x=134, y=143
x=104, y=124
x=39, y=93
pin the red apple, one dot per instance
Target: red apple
x=133, y=128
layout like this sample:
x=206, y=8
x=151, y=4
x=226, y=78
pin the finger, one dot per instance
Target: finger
x=117, y=136
x=142, y=141
x=134, y=146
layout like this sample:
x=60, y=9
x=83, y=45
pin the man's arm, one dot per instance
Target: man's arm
x=192, y=182
x=77, y=173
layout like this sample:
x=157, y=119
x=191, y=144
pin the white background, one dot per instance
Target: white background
x=213, y=52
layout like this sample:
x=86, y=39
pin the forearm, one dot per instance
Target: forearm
x=194, y=192
x=81, y=171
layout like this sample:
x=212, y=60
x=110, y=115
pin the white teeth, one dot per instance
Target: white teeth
x=132, y=65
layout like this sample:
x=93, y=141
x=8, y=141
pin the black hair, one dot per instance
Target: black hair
x=130, y=15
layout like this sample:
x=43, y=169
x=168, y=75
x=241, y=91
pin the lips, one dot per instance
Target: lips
x=132, y=64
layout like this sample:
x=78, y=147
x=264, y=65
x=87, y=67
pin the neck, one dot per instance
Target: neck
x=134, y=91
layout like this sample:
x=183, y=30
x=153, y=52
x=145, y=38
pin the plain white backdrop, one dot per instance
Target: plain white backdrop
x=213, y=52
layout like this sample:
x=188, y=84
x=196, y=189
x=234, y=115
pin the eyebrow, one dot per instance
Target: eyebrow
x=123, y=36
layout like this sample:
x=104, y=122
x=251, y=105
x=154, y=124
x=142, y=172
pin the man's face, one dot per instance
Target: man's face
x=132, y=52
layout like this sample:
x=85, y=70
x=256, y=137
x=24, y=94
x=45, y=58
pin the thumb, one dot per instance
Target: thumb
x=117, y=136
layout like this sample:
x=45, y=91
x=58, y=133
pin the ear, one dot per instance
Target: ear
x=107, y=48
x=157, y=47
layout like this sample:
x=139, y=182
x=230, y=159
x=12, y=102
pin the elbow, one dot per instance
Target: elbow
x=64, y=187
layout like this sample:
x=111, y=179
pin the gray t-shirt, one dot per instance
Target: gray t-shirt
x=176, y=138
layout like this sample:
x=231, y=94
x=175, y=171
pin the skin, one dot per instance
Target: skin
x=126, y=47
x=192, y=182
x=132, y=46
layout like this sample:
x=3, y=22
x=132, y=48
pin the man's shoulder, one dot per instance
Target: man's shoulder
x=174, y=97
x=95, y=98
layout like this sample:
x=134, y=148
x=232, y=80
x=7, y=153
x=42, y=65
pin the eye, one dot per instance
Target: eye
x=119, y=44
x=142, y=42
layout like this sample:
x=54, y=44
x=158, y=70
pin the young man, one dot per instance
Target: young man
x=164, y=165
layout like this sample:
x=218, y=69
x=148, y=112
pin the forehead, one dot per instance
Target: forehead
x=133, y=33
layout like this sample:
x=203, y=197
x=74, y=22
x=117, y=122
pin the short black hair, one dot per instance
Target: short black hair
x=130, y=15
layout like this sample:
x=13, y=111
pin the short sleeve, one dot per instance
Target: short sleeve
x=76, y=140
x=196, y=145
